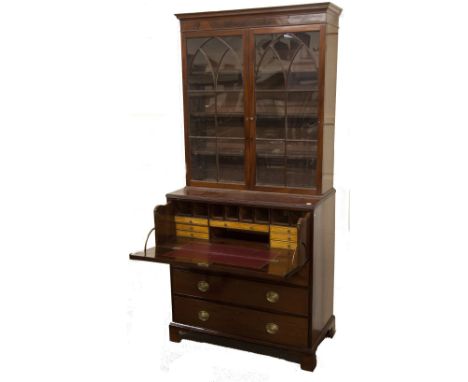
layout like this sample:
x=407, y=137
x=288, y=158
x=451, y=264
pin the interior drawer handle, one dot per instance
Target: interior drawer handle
x=271, y=328
x=203, y=315
x=203, y=286
x=272, y=297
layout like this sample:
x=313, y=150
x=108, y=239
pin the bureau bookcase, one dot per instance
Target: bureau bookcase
x=250, y=239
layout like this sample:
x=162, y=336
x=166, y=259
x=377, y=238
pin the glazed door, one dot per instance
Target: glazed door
x=214, y=99
x=285, y=103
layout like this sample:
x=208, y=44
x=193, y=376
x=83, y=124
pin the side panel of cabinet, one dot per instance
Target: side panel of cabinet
x=323, y=263
x=328, y=130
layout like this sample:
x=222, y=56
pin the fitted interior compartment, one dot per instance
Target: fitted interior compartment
x=246, y=214
x=262, y=215
x=233, y=236
x=294, y=217
x=280, y=217
x=200, y=210
x=216, y=212
x=231, y=213
x=183, y=208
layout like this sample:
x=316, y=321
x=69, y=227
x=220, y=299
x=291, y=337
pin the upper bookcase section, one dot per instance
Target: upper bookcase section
x=259, y=98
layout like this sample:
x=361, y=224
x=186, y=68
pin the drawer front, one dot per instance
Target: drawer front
x=191, y=228
x=238, y=225
x=195, y=235
x=283, y=230
x=283, y=236
x=241, y=292
x=269, y=327
x=283, y=244
x=190, y=220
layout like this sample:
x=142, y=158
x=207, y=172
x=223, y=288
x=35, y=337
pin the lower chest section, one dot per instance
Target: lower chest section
x=248, y=309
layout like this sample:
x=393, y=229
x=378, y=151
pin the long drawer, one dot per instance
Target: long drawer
x=269, y=327
x=241, y=292
x=239, y=225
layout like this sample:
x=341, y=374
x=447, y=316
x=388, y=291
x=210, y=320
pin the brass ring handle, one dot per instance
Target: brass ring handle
x=203, y=286
x=272, y=297
x=271, y=328
x=203, y=315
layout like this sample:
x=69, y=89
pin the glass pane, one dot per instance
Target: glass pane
x=231, y=160
x=202, y=126
x=231, y=126
x=230, y=74
x=202, y=117
x=201, y=105
x=303, y=73
x=302, y=127
x=230, y=103
x=302, y=103
x=270, y=73
x=301, y=164
x=270, y=163
x=214, y=49
x=302, y=115
x=203, y=159
x=230, y=68
x=214, y=63
x=270, y=110
x=200, y=72
x=230, y=110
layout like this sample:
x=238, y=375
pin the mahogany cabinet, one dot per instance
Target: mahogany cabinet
x=250, y=238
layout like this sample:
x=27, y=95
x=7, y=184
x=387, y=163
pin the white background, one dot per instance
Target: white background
x=91, y=139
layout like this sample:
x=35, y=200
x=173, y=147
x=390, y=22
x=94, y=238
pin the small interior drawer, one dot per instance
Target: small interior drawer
x=191, y=228
x=195, y=235
x=190, y=220
x=252, y=294
x=283, y=244
x=283, y=236
x=247, y=323
x=280, y=230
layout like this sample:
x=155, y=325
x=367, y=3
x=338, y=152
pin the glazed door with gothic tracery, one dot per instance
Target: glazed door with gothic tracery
x=286, y=103
x=215, y=98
